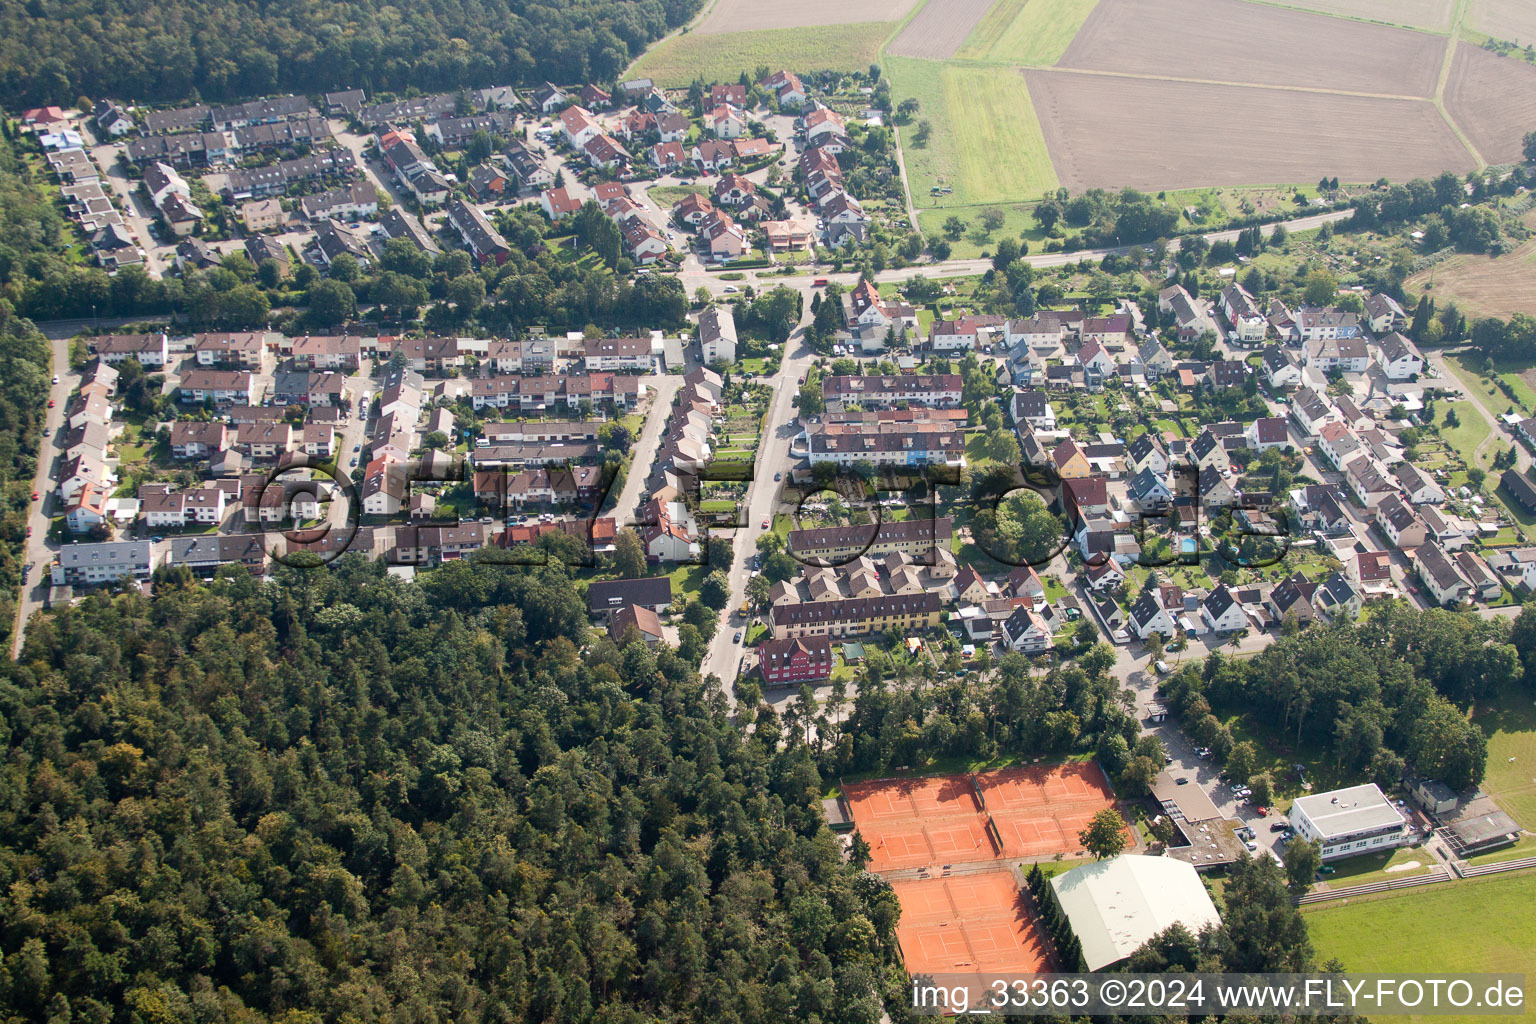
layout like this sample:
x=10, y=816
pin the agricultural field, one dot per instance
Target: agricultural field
x=1480, y=925
x=1510, y=724
x=1493, y=100
x=1027, y=33
x=1482, y=285
x=986, y=143
x=938, y=29
x=1192, y=39
x=728, y=17
x=1430, y=15
x=722, y=58
x=1109, y=132
x=1511, y=20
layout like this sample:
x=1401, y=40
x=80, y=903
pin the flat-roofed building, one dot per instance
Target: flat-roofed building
x=1348, y=822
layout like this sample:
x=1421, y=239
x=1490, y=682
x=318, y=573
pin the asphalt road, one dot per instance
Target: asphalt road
x=39, y=551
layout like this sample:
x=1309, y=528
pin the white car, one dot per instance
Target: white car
x=731, y=289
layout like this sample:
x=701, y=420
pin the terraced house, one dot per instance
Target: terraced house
x=906, y=613
x=834, y=544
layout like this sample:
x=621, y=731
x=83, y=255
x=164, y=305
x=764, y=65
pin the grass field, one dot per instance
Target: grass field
x=723, y=57
x=1510, y=724
x=986, y=143
x=1469, y=432
x=1468, y=367
x=1482, y=285
x=1482, y=925
x=1027, y=33
x=668, y=196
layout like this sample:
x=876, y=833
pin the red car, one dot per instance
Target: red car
x=765, y=524
x=34, y=495
x=51, y=403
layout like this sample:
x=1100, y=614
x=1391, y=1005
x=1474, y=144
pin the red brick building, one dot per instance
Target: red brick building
x=795, y=660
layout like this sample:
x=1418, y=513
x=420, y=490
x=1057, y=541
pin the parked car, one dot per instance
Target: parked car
x=1182, y=781
x=1279, y=826
x=738, y=636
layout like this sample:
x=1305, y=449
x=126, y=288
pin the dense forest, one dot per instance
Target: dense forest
x=52, y=51
x=343, y=796
x=1388, y=692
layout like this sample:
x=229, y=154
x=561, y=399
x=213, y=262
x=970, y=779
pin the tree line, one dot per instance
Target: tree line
x=52, y=51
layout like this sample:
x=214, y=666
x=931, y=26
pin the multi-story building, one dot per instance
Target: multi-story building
x=942, y=391
x=795, y=660
x=87, y=564
x=906, y=613
x=915, y=537
x=1348, y=822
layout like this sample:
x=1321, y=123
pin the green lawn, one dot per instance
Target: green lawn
x=1372, y=867
x=668, y=196
x=1031, y=33
x=1469, y=432
x=1481, y=925
x=1524, y=848
x=723, y=57
x=1510, y=724
x=986, y=144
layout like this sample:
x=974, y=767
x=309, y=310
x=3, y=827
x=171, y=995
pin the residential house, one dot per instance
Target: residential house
x=1280, y=368
x=1384, y=315
x=906, y=613
x=1268, y=432
x=1221, y=612
x=1398, y=358
x=1397, y=519
x=1417, y=485
x=1026, y=632
x=717, y=335
x=1440, y=576
x=788, y=662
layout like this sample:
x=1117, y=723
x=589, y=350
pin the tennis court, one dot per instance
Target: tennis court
x=1039, y=810
x=1033, y=812
x=967, y=923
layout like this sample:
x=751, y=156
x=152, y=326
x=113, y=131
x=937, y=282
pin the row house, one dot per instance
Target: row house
x=917, y=538
x=905, y=613
x=540, y=395
x=668, y=530
x=1346, y=354
x=917, y=448
x=540, y=431
x=264, y=441
x=456, y=132
x=249, y=183
x=346, y=202
x=1440, y=575
x=536, y=355
x=220, y=387
x=425, y=545
x=204, y=554
x=191, y=439
x=483, y=240
x=151, y=351
x=943, y=391
x=327, y=352
x=240, y=350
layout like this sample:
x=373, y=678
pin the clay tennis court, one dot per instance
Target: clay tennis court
x=967, y=923
x=1036, y=811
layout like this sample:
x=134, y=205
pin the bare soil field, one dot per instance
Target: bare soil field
x=1434, y=15
x=1106, y=132
x=1480, y=285
x=1493, y=100
x=751, y=15
x=1512, y=20
x=1234, y=41
x=939, y=29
